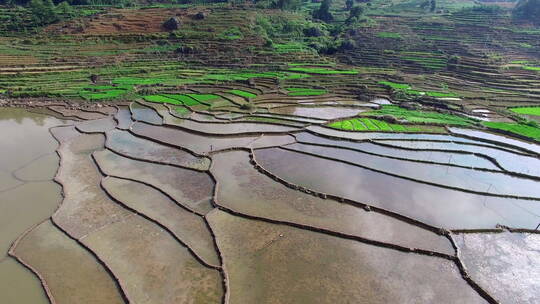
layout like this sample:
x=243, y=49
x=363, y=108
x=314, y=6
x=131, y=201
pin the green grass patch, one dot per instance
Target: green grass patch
x=516, y=128
x=137, y=81
x=370, y=124
x=397, y=86
x=233, y=33
x=203, y=98
x=100, y=92
x=441, y=94
x=292, y=47
x=110, y=94
x=242, y=93
x=322, y=71
x=247, y=75
x=162, y=99
x=182, y=111
x=305, y=92
x=408, y=90
x=175, y=99
x=183, y=99
x=527, y=110
x=531, y=68
x=414, y=116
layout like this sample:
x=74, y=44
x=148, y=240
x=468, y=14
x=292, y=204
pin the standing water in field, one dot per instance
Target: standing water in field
x=28, y=194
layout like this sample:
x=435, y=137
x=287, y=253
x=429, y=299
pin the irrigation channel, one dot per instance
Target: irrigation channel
x=156, y=203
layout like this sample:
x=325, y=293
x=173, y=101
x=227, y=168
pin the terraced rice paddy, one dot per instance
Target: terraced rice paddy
x=215, y=164
x=156, y=202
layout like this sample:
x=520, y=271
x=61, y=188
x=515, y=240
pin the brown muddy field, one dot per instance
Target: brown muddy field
x=158, y=207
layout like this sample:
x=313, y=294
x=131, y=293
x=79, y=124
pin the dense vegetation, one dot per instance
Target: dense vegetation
x=528, y=10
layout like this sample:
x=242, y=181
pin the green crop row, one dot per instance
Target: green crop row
x=408, y=90
x=242, y=93
x=415, y=116
x=182, y=99
x=532, y=68
x=369, y=124
x=322, y=71
x=527, y=110
x=516, y=128
x=99, y=92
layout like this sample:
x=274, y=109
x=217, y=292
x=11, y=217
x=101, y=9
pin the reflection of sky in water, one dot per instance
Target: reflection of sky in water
x=231, y=127
x=473, y=180
x=430, y=204
x=508, y=160
x=513, y=257
x=383, y=135
x=24, y=135
x=432, y=156
x=319, y=112
x=146, y=114
x=480, y=135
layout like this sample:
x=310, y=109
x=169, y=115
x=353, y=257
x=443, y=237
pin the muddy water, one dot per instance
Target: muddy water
x=27, y=194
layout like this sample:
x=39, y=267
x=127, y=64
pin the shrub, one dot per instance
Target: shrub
x=323, y=12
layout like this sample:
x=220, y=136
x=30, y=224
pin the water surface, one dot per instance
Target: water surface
x=27, y=194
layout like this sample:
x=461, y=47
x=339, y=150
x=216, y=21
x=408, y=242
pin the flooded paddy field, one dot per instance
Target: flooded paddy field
x=28, y=194
x=150, y=206
x=281, y=152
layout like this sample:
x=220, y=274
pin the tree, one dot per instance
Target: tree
x=65, y=10
x=349, y=4
x=528, y=10
x=433, y=6
x=323, y=13
x=287, y=4
x=355, y=13
x=43, y=12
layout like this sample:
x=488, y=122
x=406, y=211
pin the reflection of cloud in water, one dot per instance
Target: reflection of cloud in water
x=430, y=204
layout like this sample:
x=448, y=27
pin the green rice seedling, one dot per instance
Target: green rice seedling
x=322, y=71
x=393, y=85
x=415, y=116
x=516, y=128
x=527, y=110
x=532, y=68
x=369, y=124
x=243, y=93
x=162, y=99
